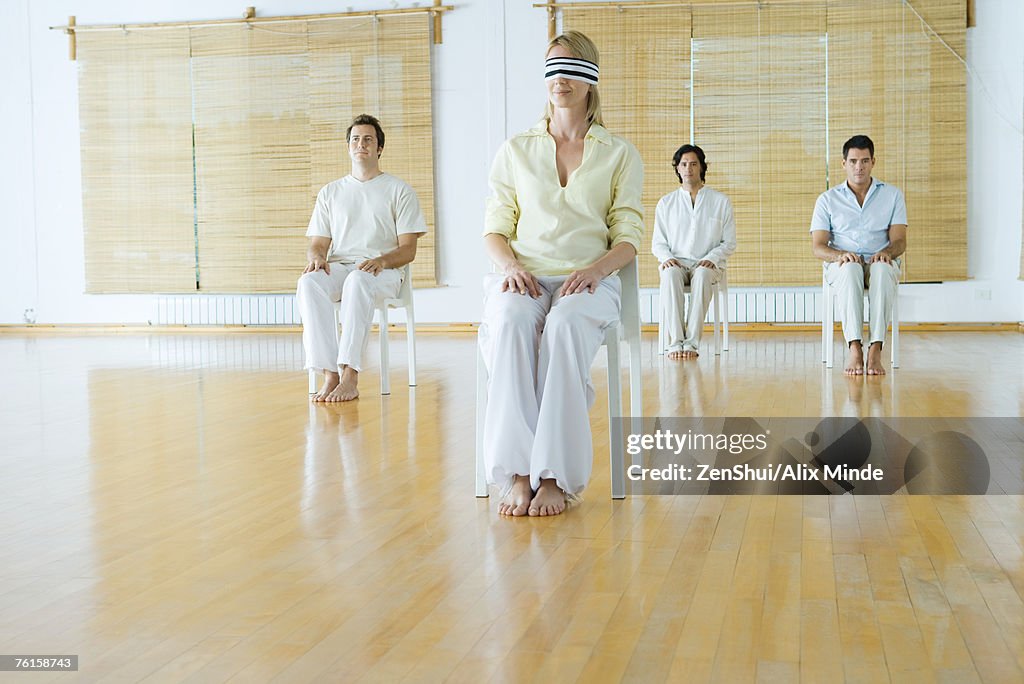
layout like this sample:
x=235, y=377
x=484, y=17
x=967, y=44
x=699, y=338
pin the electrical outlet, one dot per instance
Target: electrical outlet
x=29, y=315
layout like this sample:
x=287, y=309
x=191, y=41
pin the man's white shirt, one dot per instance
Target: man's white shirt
x=365, y=218
x=690, y=232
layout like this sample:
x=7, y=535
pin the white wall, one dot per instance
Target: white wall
x=487, y=85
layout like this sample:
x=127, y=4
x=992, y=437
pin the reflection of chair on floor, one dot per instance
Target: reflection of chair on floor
x=719, y=294
x=628, y=330
x=402, y=301
x=828, y=313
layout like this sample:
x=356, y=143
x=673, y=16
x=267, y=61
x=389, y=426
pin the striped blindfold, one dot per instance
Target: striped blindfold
x=572, y=68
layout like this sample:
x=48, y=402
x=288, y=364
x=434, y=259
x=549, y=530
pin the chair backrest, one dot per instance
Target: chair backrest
x=405, y=292
x=630, y=280
x=404, y=297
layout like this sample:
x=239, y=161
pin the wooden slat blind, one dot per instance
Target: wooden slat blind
x=270, y=106
x=775, y=90
x=136, y=144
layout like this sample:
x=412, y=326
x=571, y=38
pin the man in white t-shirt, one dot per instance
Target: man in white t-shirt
x=363, y=230
x=694, y=233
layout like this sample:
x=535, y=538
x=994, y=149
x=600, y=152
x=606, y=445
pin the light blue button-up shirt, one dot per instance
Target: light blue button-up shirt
x=862, y=230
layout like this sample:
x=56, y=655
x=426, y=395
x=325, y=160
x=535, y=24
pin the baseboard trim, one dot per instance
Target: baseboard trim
x=446, y=328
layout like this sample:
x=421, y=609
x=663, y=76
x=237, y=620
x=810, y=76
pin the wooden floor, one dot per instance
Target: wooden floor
x=173, y=509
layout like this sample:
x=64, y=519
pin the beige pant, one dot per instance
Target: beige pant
x=684, y=328
x=850, y=280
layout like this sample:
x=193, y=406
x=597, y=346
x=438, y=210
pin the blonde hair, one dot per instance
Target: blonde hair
x=581, y=47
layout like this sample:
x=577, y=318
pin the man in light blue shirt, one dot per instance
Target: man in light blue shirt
x=859, y=229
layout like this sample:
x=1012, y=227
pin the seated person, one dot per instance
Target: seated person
x=363, y=230
x=694, y=233
x=859, y=228
x=564, y=215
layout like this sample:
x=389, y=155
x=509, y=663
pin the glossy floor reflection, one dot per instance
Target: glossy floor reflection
x=174, y=509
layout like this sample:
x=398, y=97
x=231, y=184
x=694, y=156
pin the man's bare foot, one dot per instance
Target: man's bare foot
x=549, y=500
x=346, y=389
x=855, y=362
x=331, y=380
x=874, y=366
x=517, y=501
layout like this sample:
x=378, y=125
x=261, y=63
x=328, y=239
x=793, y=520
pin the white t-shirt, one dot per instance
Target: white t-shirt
x=365, y=218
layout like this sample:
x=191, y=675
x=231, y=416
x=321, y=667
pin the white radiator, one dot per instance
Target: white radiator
x=277, y=309
x=791, y=305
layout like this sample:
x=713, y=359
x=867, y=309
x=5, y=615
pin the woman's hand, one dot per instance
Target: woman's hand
x=518, y=279
x=584, y=280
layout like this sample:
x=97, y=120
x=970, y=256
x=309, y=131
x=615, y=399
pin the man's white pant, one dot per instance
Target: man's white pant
x=538, y=354
x=849, y=281
x=317, y=295
x=685, y=334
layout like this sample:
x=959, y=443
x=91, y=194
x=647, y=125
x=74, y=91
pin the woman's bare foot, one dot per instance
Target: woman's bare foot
x=690, y=353
x=855, y=362
x=331, y=380
x=518, y=498
x=874, y=366
x=346, y=389
x=675, y=355
x=549, y=500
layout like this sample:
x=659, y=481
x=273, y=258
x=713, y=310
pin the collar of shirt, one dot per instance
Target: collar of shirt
x=691, y=204
x=596, y=132
x=875, y=184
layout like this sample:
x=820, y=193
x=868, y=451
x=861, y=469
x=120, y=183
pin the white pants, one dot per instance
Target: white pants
x=358, y=291
x=850, y=279
x=685, y=332
x=538, y=354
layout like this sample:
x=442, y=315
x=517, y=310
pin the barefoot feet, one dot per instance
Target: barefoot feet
x=517, y=501
x=549, y=500
x=874, y=365
x=330, y=382
x=339, y=387
x=687, y=352
x=855, y=361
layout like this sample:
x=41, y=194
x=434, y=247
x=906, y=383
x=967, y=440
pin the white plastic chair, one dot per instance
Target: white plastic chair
x=402, y=301
x=719, y=297
x=628, y=330
x=828, y=307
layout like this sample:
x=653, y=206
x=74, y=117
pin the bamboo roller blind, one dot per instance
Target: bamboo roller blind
x=774, y=89
x=269, y=107
x=136, y=140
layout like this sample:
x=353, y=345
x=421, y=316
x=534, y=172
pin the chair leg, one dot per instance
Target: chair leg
x=616, y=448
x=385, y=362
x=715, y=322
x=895, y=343
x=725, y=318
x=312, y=381
x=481, y=409
x=828, y=332
x=410, y=341
x=662, y=330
